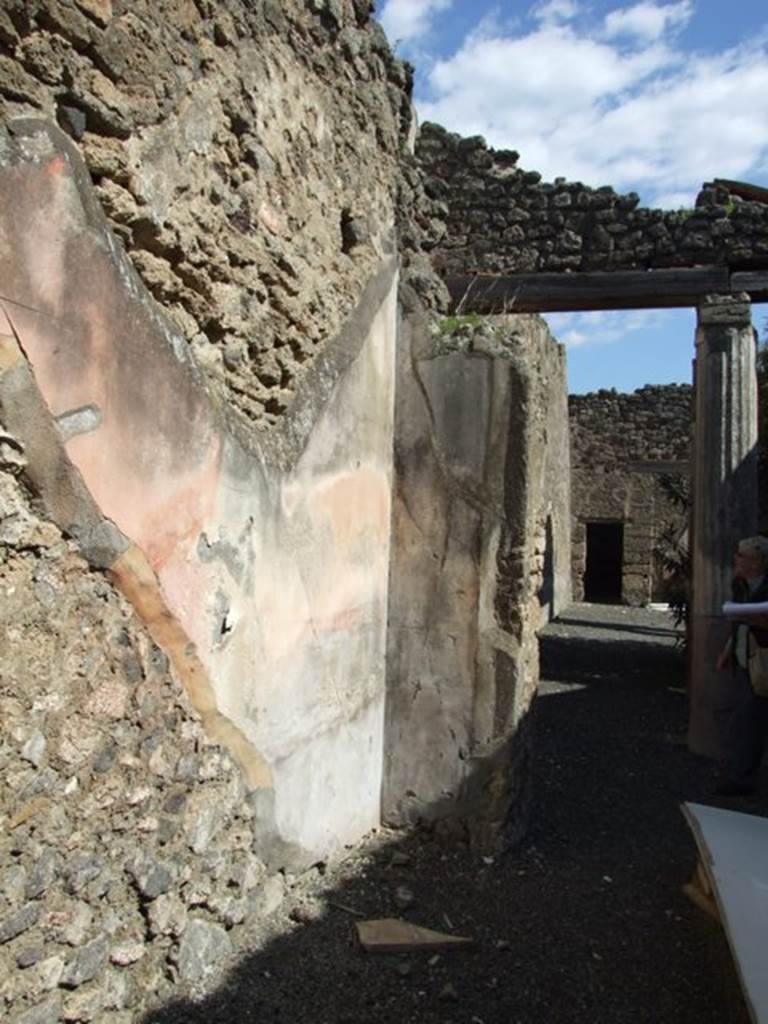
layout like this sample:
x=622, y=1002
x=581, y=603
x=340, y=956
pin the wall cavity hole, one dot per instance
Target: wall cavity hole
x=354, y=231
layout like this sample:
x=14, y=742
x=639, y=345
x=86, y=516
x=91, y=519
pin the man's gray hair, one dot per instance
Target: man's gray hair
x=757, y=546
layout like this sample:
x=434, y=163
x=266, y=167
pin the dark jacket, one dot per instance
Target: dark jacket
x=741, y=594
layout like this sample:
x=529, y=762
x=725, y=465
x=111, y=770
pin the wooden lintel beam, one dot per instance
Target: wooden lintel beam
x=753, y=282
x=744, y=189
x=613, y=289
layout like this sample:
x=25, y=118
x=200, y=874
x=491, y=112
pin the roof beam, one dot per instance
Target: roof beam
x=744, y=189
x=753, y=282
x=612, y=289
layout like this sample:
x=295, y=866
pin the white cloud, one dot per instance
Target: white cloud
x=636, y=113
x=554, y=11
x=579, y=330
x=647, y=20
x=674, y=200
x=406, y=20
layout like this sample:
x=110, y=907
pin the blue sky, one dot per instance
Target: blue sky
x=655, y=96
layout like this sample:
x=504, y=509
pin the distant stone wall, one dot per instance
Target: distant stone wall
x=610, y=428
x=126, y=835
x=620, y=445
x=480, y=561
x=503, y=219
x=251, y=157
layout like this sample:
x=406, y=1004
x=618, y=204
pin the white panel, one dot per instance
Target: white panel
x=734, y=848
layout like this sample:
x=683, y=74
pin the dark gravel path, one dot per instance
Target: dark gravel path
x=583, y=924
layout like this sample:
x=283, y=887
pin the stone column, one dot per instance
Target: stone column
x=724, y=498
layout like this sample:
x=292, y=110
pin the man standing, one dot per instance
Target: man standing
x=748, y=728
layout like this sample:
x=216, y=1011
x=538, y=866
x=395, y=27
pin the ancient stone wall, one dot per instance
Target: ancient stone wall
x=126, y=834
x=480, y=560
x=225, y=142
x=199, y=275
x=610, y=428
x=621, y=445
x=258, y=563
x=502, y=219
x=270, y=550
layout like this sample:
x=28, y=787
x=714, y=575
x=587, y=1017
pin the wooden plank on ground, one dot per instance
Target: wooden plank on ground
x=390, y=935
x=733, y=849
x=613, y=289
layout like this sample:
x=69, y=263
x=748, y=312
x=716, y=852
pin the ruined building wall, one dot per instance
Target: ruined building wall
x=502, y=219
x=270, y=550
x=480, y=560
x=258, y=564
x=199, y=275
x=225, y=142
x=127, y=835
x=621, y=444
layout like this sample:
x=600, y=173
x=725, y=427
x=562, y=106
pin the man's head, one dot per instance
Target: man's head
x=751, y=559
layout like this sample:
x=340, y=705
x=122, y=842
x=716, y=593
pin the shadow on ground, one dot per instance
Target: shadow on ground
x=584, y=923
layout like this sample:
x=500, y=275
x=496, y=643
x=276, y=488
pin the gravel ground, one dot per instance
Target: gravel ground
x=584, y=923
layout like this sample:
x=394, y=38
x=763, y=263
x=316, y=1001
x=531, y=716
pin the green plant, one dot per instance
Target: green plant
x=673, y=554
x=451, y=324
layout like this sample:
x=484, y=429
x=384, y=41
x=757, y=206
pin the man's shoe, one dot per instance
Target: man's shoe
x=730, y=788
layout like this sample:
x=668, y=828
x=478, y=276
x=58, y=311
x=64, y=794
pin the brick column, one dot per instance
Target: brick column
x=724, y=498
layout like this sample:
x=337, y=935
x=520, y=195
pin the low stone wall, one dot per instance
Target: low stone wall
x=502, y=219
x=621, y=445
x=480, y=560
x=126, y=835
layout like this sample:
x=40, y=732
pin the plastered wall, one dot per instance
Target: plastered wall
x=271, y=552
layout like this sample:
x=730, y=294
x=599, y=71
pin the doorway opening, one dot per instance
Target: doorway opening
x=605, y=562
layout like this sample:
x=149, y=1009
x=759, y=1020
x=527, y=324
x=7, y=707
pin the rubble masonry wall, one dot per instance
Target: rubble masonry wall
x=197, y=396
x=621, y=444
x=127, y=844
x=502, y=219
x=225, y=142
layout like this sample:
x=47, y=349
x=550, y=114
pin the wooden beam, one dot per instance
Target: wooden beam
x=612, y=289
x=743, y=189
x=753, y=282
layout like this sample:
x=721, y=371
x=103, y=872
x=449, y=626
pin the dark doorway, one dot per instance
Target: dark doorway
x=605, y=557
x=547, y=589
